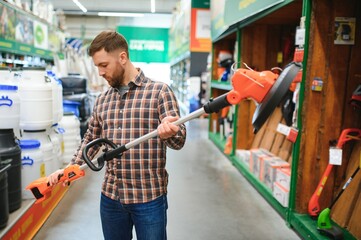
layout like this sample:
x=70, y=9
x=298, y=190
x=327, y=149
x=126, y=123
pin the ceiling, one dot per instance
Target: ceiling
x=132, y=6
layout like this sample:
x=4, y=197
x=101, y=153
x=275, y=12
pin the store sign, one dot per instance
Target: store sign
x=225, y=13
x=21, y=33
x=146, y=44
x=200, y=31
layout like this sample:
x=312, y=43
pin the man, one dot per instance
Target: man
x=134, y=191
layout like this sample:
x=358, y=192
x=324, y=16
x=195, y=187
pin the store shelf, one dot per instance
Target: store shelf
x=221, y=85
x=261, y=188
x=307, y=227
x=26, y=221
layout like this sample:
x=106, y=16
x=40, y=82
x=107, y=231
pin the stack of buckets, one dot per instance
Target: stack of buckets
x=31, y=135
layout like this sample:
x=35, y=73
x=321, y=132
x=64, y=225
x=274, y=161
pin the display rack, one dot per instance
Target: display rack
x=259, y=37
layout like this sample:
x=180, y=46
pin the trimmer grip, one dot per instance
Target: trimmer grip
x=100, y=160
x=216, y=104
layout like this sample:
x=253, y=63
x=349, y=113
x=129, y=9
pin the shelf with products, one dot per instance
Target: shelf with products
x=270, y=39
x=27, y=39
x=260, y=44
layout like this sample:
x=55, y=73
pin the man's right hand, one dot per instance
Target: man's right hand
x=55, y=176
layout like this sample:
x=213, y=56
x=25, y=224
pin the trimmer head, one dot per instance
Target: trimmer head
x=275, y=95
x=333, y=232
x=325, y=227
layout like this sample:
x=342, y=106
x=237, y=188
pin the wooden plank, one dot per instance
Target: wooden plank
x=259, y=135
x=277, y=143
x=343, y=208
x=355, y=226
x=245, y=133
x=286, y=149
x=270, y=132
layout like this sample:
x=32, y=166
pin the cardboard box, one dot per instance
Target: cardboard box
x=254, y=162
x=268, y=175
x=283, y=177
x=281, y=194
x=244, y=156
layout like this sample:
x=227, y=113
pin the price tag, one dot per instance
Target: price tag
x=335, y=156
x=283, y=129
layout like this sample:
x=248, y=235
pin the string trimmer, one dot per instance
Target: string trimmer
x=324, y=222
x=346, y=135
x=266, y=88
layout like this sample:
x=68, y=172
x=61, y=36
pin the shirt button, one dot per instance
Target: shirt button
x=121, y=111
x=119, y=128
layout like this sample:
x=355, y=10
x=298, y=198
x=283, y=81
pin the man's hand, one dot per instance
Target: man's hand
x=55, y=176
x=167, y=129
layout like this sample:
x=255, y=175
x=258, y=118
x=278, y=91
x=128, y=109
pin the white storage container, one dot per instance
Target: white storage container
x=46, y=147
x=57, y=97
x=36, y=101
x=32, y=163
x=56, y=137
x=9, y=107
x=72, y=138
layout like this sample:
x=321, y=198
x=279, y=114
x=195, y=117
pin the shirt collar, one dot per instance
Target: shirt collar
x=138, y=79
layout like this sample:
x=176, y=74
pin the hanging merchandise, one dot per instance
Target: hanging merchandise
x=356, y=97
x=9, y=107
x=32, y=161
x=36, y=93
x=46, y=146
x=10, y=153
x=225, y=61
x=346, y=135
x=288, y=106
x=71, y=137
x=324, y=222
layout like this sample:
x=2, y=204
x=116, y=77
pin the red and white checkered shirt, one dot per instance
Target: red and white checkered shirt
x=139, y=175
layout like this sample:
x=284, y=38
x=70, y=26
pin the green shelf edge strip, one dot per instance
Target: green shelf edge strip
x=306, y=227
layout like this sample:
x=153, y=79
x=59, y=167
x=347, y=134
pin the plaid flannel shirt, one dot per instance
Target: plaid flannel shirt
x=139, y=174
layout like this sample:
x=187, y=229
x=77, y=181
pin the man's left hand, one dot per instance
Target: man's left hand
x=167, y=129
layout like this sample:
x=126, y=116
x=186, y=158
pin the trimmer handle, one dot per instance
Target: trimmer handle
x=347, y=135
x=102, y=158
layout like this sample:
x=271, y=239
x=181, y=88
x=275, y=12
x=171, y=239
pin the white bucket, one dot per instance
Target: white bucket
x=56, y=137
x=36, y=104
x=72, y=138
x=9, y=107
x=32, y=164
x=46, y=147
x=57, y=97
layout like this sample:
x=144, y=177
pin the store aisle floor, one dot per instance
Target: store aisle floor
x=208, y=200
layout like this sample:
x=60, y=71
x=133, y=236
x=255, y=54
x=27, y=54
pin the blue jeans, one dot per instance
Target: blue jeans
x=149, y=219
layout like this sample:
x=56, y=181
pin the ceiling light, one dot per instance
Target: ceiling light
x=152, y=6
x=119, y=14
x=80, y=5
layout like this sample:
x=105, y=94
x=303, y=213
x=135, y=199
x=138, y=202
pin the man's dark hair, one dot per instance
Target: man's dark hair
x=109, y=41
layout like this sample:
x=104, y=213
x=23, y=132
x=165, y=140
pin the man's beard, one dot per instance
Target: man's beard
x=118, y=79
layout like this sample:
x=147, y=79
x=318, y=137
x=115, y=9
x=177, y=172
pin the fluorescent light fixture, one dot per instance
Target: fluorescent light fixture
x=120, y=14
x=152, y=6
x=80, y=5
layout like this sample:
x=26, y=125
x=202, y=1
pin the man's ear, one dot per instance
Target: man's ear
x=123, y=58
